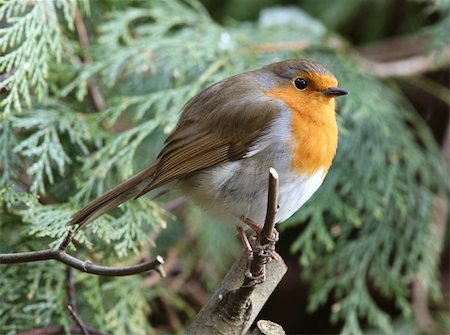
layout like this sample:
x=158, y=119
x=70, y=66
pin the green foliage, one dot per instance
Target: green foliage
x=30, y=40
x=35, y=298
x=367, y=226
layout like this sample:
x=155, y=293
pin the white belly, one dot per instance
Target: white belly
x=237, y=189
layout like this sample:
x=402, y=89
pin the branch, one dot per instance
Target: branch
x=400, y=56
x=60, y=255
x=272, y=207
x=77, y=319
x=236, y=303
x=71, y=302
x=264, y=327
x=410, y=66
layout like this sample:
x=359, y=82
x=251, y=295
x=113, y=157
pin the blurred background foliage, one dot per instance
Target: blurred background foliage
x=90, y=89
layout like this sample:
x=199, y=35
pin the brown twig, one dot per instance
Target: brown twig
x=272, y=207
x=60, y=255
x=71, y=301
x=77, y=319
x=410, y=66
x=401, y=56
x=83, y=38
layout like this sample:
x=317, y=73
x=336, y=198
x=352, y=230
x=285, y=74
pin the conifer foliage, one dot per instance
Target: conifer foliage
x=368, y=224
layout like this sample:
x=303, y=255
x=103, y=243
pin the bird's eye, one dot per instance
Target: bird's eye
x=300, y=83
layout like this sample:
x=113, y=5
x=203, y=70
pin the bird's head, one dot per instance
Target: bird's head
x=305, y=86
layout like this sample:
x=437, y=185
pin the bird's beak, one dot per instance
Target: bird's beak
x=334, y=92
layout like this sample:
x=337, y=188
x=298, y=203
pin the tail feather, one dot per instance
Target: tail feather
x=113, y=198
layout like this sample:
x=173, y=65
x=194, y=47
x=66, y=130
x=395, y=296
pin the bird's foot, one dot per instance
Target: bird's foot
x=257, y=254
x=246, y=243
x=259, y=231
x=252, y=224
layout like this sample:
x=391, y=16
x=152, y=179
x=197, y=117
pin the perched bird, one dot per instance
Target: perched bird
x=229, y=135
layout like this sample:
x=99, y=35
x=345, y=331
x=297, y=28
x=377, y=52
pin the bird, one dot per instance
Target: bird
x=228, y=136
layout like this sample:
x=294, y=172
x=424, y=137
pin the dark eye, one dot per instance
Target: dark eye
x=300, y=83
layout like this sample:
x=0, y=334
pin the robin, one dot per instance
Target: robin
x=229, y=136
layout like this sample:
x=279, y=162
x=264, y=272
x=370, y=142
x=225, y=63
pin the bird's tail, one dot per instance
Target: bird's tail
x=113, y=198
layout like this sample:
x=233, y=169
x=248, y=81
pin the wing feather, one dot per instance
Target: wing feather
x=204, y=152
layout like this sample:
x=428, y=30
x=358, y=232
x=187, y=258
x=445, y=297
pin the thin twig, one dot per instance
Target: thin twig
x=272, y=207
x=60, y=255
x=71, y=301
x=77, y=319
x=410, y=66
x=412, y=58
x=65, y=243
x=85, y=266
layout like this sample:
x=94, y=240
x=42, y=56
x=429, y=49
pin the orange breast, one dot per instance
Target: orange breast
x=313, y=127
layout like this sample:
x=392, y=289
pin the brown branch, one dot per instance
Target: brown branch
x=265, y=327
x=237, y=302
x=400, y=56
x=410, y=66
x=83, y=38
x=71, y=301
x=272, y=208
x=77, y=319
x=60, y=255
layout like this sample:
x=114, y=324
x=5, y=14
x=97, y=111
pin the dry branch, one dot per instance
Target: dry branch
x=77, y=320
x=60, y=255
x=246, y=287
x=401, y=56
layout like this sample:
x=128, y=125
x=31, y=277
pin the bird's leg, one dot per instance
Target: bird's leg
x=252, y=224
x=258, y=230
x=258, y=254
x=247, y=246
x=250, y=278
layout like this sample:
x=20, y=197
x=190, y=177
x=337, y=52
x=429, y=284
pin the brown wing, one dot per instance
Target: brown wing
x=183, y=156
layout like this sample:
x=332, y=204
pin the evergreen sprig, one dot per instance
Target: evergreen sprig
x=30, y=40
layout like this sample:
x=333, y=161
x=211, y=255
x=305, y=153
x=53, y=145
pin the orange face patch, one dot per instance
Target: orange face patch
x=313, y=124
